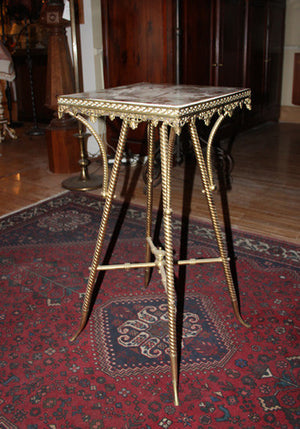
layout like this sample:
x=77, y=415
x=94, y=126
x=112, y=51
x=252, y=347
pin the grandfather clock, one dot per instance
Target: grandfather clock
x=63, y=146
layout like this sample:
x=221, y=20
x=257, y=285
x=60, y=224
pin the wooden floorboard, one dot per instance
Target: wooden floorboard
x=264, y=198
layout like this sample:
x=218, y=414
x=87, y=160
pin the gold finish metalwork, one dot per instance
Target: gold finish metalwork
x=85, y=181
x=162, y=115
x=84, y=174
x=149, y=193
x=102, y=228
x=135, y=113
x=166, y=153
x=4, y=128
x=209, y=148
x=159, y=262
x=213, y=214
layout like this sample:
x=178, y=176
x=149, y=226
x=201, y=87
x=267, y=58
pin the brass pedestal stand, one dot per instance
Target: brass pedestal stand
x=85, y=181
x=4, y=128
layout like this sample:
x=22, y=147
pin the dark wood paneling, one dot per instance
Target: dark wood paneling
x=139, y=46
x=138, y=41
x=196, y=47
x=229, y=61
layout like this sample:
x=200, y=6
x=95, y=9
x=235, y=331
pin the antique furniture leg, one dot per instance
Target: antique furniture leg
x=166, y=160
x=208, y=187
x=149, y=190
x=102, y=229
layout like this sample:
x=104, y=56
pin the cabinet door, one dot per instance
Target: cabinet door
x=139, y=46
x=213, y=42
x=138, y=41
x=273, y=60
x=196, y=46
x=227, y=68
x=264, y=58
x=256, y=42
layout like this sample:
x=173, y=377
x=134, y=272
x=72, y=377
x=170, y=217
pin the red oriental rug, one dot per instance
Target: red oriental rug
x=116, y=374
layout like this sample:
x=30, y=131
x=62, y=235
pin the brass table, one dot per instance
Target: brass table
x=168, y=107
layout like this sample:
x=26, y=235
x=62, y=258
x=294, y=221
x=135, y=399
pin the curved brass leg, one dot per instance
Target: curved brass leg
x=208, y=187
x=102, y=228
x=209, y=148
x=149, y=188
x=166, y=160
x=101, y=147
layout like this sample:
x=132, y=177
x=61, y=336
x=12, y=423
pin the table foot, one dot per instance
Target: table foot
x=237, y=313
x=174, y=371
x=147, y=276
x=83, y=322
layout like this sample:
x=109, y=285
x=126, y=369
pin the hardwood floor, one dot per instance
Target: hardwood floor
x=264, y=198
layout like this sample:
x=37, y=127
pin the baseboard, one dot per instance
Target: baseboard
x=290, y=114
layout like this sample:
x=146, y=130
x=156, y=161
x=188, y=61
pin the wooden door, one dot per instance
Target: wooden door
x=228, y=67
x=256, y=53
x=138, y=41
x=196, y=34
x=265, y=38
x=139, y=46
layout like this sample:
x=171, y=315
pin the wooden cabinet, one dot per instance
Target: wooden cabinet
x=138, y=41
x=139, y=46
x=222, y=42
x=213, y=42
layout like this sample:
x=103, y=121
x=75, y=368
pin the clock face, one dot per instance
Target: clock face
x=53, y=17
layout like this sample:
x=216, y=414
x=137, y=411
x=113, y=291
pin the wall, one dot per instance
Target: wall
x=290, y=112
x=91, y=55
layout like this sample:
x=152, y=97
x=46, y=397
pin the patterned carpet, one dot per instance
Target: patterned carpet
x=116, y=374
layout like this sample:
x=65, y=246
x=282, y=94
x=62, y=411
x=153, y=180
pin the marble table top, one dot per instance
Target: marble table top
x=173, y=104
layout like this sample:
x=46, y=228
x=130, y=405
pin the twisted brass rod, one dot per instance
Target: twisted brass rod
x=214, y=218
x=149, y=190
x=102, y=228
x=166, y=159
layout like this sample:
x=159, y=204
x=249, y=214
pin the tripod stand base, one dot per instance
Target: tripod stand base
x=36, y=131
x=76, y=183
x=6, y=130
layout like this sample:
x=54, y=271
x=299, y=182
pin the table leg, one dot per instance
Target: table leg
x=208, y=188
x=149, y=190
x=166, y=163
x=102, y=228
